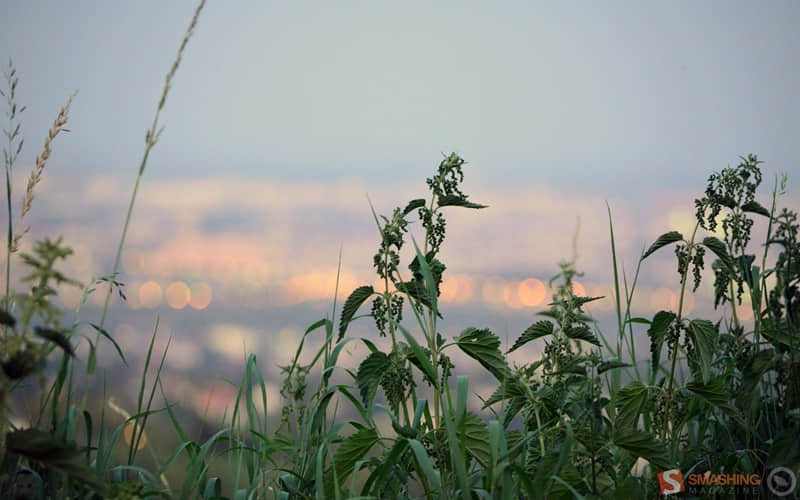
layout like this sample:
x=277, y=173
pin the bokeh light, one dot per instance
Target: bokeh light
x=531, y=292
x=458, y=288
x=128, y=434
x=200, y=295
x=449, y=289
x=668, y=300
x=511, y=295
x=178, y=295
x=150, y=295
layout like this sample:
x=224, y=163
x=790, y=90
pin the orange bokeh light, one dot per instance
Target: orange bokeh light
x=578, y=289
x=531, y=292
x=458, y=288
x=178, y=295
x=511, y=296
x=449, y=289
x=200, y=295
x=150, y=295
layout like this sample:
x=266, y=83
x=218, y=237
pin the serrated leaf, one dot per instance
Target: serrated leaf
x=703, y=334
x=745, y=265
x=643, y=444
x=716, y=394
x=662, y=241
x=756, y=208
x=610, y=365
x=474, y=433
x=41, y=447
x=56, y=337
x=508, y=389
x=369, y=376
x=352, y=449
x=453, y=200
x=417, y=291
x=631, y=399
x=582, y=333
x=537, y=330
x=718, y=247
x=7, y=319
x=484, y=347
x=351, y=305
x=413, y=205
x=552, y=313
x=657, y=332
x=753, y=373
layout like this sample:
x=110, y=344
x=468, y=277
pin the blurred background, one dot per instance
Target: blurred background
x=285, y=117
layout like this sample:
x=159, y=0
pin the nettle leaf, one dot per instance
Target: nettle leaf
x=351, y=450
x=56, y=337
x=662, y=241
x=718, y=247
x=582, y=333
x=745, y=265
x=704, y=338
x=454, y=200
x=351, y=305
x=579, y=301
x=611, y=364
x=369, y=374
x=7, y=319
x=716, y=394
x=657, y=332
x=413, y=205
x=508, y=389
x=756, y=208
x=555, y=314
x=537, y=330
x=41, y=447
x=631, y=400
x=474, y=433
x=484, y=346
x=643, y=444
x=417, y=291
x=753, y=373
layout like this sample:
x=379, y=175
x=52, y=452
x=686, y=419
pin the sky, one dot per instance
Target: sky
x=285, y=116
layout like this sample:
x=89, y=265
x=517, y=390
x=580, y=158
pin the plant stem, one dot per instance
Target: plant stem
x=151, y=137
x=675, y=350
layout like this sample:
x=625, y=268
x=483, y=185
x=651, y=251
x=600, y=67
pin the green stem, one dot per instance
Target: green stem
x=539, y=427
x=675, y=350
x=151, y=137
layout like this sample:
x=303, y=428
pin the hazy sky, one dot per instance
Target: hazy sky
x=296, y=110
x=618, y=95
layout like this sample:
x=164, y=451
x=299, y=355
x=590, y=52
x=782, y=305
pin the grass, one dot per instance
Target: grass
x=715, y=395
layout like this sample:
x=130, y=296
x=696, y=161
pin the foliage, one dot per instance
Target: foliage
x=719, y=395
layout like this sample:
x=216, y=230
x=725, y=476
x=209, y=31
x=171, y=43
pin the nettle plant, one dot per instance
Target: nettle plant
x=564, y=426
x=551, y=433
x=738, y=411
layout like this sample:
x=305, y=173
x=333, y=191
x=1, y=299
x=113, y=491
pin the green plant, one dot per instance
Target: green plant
x=572, y=424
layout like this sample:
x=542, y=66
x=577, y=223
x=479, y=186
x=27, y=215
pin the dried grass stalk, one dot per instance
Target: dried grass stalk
x=41, y=161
